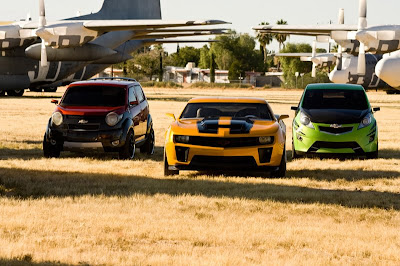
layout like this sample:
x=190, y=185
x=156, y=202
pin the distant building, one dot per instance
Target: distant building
x=192, y=74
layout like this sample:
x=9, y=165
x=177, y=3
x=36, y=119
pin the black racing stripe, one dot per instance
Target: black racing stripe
x=241, y=126
x=208, y=126
x=237, y=126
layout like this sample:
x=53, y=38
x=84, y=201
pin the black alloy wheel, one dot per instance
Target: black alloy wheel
x=149, y=145
x=51, y=150
x=127, y=152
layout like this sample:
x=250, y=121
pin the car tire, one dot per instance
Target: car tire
x=167, y=171
x=50, y=150
x=149, y=145
x=373, y=155
x=16, y=93
x=127, y=152
x=281, y=172
x=2, y=93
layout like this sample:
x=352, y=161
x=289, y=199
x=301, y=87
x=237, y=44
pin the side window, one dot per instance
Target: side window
x=132, y=96
x=139, y=93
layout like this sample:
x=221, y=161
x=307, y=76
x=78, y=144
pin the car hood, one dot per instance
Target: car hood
x=89, y=110
x=224, y=127
x=335, y=116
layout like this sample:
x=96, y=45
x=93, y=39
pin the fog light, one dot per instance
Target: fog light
x=115, y=143
x=265, y=155
x=372, y=138
x=299, y=137
x=182, y=154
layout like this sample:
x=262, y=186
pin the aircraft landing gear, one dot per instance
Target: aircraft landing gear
x=16, y=93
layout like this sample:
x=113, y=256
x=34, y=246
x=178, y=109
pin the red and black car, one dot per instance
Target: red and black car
x=110, y=114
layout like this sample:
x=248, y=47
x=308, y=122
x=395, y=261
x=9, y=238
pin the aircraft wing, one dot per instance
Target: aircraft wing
x=178, y=41
x=117, y=25
x=172, y=34
x=313, y=30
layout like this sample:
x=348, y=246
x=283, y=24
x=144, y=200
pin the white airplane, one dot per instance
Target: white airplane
x=356, y=40
x=38, y=54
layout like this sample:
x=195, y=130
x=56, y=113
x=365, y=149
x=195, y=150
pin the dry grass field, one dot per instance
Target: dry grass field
x=97, y=210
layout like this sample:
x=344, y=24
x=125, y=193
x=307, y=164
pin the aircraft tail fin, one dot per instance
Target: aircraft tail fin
x=125, y=9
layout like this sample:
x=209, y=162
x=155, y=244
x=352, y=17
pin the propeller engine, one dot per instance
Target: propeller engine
x=62, y=35
x=362, y=24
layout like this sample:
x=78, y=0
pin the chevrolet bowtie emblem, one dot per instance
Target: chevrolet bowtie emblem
x=83, y=121
x=336, y=126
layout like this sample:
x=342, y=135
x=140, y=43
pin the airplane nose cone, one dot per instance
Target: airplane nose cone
x=339, y=76
x=388, y=70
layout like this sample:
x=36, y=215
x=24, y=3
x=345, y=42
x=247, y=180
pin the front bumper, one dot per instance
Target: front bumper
x=193, y=157
x=316, y=141
x=83, y=139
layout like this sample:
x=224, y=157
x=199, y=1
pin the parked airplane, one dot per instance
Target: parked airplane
x=348, y=74
x=357, y=40
x=39, y=54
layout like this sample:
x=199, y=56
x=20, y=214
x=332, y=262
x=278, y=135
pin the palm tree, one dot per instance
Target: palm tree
x=281, y=38
x=264, y=39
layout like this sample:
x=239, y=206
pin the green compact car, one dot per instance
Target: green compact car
x=335, y=120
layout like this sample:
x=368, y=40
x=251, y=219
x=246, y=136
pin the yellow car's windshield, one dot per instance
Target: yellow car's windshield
x=234, y=110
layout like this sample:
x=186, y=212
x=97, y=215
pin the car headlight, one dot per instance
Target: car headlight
x=57, y=119
x=367, y=120
x=266, y=140
x=305, y=120
x=112, y=119
x=182, y=139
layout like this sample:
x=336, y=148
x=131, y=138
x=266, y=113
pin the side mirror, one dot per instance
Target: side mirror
x=281, y=117
x=294, y=108
x=376, y=109
x=172, y=116
x=134, y=103
x=54, y=101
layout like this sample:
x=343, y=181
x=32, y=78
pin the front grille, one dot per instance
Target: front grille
x=336, y=131
x=336, y=145
x=83, y=127
x=223, y=162
x=224, y=142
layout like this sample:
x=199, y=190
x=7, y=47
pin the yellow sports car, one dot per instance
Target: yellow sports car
x=216, y=133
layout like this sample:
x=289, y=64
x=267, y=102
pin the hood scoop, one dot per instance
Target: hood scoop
x=236, y=126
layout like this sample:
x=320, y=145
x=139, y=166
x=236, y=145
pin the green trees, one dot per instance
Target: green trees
x=186, y=54
x=291, y=65
x=236, y=52
x=264, y=39
x=281, y=38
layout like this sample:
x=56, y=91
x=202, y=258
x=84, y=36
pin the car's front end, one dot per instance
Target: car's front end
x=89, y=116
x=86, y=128
x=324, y=130
x=225, y=142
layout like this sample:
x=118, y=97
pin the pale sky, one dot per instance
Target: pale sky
x=242, y=14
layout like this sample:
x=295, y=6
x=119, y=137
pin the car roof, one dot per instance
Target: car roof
x=227, y=100
x=333, y=86
x=114, y=83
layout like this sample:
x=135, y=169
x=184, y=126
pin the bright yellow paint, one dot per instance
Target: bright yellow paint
x=189, y=127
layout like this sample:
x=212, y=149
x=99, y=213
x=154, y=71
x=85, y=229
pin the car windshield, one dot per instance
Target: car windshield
x=94, y=96
x=335, y=99
x=234, y=110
